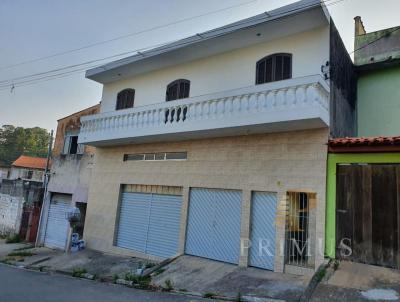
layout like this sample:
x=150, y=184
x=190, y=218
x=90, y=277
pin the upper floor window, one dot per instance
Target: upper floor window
x=125, y=99
x=178, y=89
x=275, y=67
x=71, y=145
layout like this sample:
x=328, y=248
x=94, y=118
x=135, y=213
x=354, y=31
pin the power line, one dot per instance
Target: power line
x=124, y=36
x=7, y=83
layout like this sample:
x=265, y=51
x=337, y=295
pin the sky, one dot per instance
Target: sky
x=35, y=29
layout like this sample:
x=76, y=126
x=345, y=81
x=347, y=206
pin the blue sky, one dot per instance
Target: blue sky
x=33, y=29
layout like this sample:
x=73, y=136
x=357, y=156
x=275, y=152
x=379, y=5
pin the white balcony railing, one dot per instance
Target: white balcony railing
x=295, y=104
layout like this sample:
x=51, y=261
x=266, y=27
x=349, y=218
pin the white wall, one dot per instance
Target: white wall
x=10, y=213
x=17, y=172
x=234, y=69
x=70, y=174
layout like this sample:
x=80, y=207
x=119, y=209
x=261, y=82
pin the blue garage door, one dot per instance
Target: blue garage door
x=213, y=229
x=150, y=223
x=263, y=214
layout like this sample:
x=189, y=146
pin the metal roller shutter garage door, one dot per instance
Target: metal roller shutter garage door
x=150, y=223
x=57, y=223
x=262, y=237
x=213, y=229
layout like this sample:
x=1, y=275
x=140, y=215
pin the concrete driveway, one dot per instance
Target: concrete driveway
x=359, y=282
x=203, y=276
x=18, y=285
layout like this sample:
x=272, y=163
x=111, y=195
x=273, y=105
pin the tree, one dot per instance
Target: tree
x=17, y=141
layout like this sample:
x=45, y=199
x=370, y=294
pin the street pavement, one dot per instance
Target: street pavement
x=19, y=285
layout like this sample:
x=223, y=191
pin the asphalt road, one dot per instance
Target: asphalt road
x=18, y=285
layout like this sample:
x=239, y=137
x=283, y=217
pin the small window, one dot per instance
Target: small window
x=125, y=99
x=178, y=89
x=29, y=174
x=71, y=145
x=273, y=68
x=156, y=156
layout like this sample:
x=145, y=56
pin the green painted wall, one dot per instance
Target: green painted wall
x=378, y=103
x=333, y=161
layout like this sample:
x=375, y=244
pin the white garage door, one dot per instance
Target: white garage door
x=57, y=224
x=213, y=229
x=150, y=223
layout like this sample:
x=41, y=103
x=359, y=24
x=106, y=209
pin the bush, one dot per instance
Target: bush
x=78, y=272
x=168, y=286
x=141, y=281
x=13, y=238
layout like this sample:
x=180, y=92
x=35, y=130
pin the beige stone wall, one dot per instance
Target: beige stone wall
x=277, y=162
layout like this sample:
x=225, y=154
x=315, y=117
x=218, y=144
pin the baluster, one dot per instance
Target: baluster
x=206, y=110
x=253, y=102
x=280, y=99
x=221, y=107
x=228, y=106
x=291, y=97
x=191, y=112
x=236, y=104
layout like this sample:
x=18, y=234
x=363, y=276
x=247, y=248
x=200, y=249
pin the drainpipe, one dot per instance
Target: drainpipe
x=45, y=184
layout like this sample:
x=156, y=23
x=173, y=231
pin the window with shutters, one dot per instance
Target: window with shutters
x=273, y=68
x=71, y=145
x=178, y=89
x=125, y=99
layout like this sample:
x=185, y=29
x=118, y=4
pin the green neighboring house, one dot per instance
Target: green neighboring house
x=363, y=182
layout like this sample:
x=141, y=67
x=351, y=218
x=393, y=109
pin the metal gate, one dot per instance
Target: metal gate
x=213, y=229
x=367, y=214
x=262, y=237
x=57, y=223
x=150, y=223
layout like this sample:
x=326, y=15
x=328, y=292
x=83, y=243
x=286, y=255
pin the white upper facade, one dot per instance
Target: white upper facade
x=218, y=63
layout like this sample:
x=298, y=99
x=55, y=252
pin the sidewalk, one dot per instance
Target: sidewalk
x=359, y=282
x=188, y=275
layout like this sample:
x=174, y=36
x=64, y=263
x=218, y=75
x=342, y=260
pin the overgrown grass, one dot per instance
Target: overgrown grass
x=320, y=274
x=168, y=285
x=78, y=272
x=25, y=248
x=140, y=281
x=159, y=272
x=149, y=265
x=13, y=238
x=21, y=254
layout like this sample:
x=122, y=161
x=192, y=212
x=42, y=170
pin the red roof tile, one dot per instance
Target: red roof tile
x=30, y=162
x=365, y=141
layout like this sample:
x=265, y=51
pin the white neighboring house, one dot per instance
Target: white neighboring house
x=215, y=145
x=28, y=168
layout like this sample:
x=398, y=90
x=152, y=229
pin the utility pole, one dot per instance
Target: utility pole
x=45, y=183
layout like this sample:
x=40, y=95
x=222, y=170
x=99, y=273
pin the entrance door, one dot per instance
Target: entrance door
x=213, y=228
x=367, y=214
x=263, y=216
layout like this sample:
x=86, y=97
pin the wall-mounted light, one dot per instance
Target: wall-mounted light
x=325, y=69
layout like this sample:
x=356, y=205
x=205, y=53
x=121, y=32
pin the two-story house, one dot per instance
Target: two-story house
x=363, y=198
x=68, y=181
x=215, y=145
